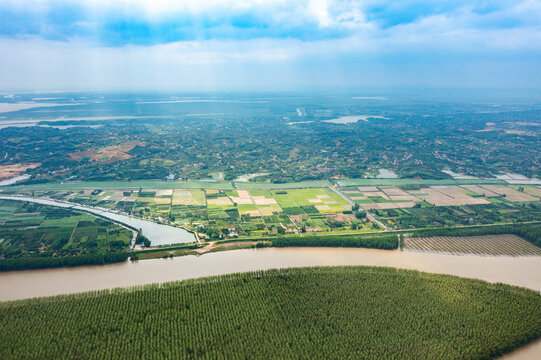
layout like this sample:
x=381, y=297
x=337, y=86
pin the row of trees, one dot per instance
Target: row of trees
x=62, y=261
x=142, y=239
x=387, y=242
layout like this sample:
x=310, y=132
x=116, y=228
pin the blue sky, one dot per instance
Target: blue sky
x=274, y=44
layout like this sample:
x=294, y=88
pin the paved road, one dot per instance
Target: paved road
x=373, y=219
x=352, y=203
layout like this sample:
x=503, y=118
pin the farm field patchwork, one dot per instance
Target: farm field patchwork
x=266, y=212
x=382, y=197
x=427, y=215
x=386, y=197
x=506, y=244
x=532, y=190
x=34, y=230
x=322, y=199
x=510, y=193
x=417, y=206
x=448, y=196
x=400, y=182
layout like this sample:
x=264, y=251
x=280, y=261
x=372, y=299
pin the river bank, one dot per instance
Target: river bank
x=518, y=271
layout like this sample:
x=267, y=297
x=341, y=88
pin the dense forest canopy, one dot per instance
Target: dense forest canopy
x=344, y=312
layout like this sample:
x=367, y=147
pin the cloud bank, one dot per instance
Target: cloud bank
x=225, y=44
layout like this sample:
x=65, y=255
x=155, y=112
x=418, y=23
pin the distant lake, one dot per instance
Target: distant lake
x=353, y=119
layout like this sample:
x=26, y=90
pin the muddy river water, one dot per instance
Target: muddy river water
x=521, y=271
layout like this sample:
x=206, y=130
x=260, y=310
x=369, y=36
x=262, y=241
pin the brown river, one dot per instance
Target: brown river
x=520, y=271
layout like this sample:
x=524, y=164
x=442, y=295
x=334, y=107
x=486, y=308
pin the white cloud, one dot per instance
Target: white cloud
x=460, y=37
x=318, y=9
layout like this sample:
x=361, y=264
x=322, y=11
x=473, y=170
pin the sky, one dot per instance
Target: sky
x=269, y=44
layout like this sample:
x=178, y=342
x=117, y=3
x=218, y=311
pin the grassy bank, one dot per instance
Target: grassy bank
x=340, y=312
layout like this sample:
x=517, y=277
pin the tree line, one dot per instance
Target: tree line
x=387, y=242
x=62, y=261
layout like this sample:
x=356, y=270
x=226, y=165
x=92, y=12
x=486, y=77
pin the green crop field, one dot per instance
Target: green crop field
x=324, y=313
x=309, y=197
x=437, y=216
x=29, y=230
x=310, y=209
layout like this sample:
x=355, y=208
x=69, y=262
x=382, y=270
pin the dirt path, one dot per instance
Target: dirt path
x=75, y=228
x=205, y=248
